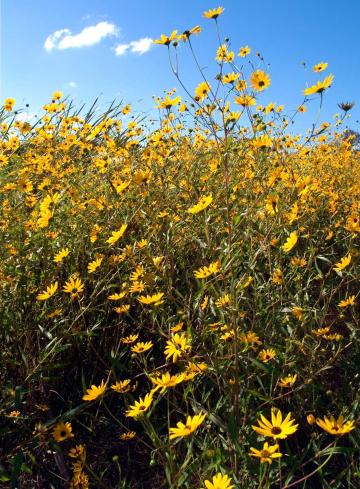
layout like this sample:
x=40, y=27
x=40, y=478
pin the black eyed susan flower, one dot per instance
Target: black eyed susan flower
x=94, y=392
x=213, y=13
x=62, y=431
x=142, y=347
x=176, y=347
x=166, y=40
x=191, y=425
x=267, y=453
x=343, y=263
x=244, y=51
x=9, y=104
x=334, y=426
x=219, y=481
x=129, y=435
x=48, y=292
x=320, y=86
x=140, y=407
x=122, y=386
x=277, y=427
x=260, y=80
x=267, y=355
x=320, y=67
x=287, y=381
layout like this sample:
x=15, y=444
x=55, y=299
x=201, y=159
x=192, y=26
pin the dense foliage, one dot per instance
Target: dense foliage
x=202, y=277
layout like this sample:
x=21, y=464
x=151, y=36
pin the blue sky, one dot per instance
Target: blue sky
x=284, y=32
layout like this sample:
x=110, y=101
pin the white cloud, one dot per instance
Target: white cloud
x=139, y=47
x=121, y=49
x=63, y=39
x=52, y=40
x=72, y=84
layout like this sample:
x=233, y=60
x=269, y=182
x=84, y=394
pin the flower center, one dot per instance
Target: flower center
x=276, y=430
x=265, y=454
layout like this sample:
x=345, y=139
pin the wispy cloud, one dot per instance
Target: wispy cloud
x=140, y=46
x=121, y=49
x=72, y=84
x=64, y=39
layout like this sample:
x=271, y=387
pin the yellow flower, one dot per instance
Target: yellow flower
x=202, y=91
x=202, y=204
x=62, y=431
x=9, y=104
x=350, y=301
x=166, y=40
x=287, y=381
x=58, y=258
x=245, y=100
x=334, y=426
x=176, y=347
x=278, y=427
x=310, y=418
x=48, y=292
x=94, y=265
x=267, y=453
x=219, y=481
x=78, y=451
x=320, y=86
x=290, y=242
x=166, y=380
x=259, y=80
x=122, y=386
x=297, y=312
x=151, y=299
x=73, y=286
x=262, y=142
x=116, y=235
x=230, y=77
x=167, y=103
x=343, y=263
x=244, y=51
x=204, y=303
x=205, y=272
x=142, y=347
x=277, y=277
x=14, y=414
x=223, y=55
x=130, y=339
x=94, y=392
x=129, y=435
x=223, y=301
x=321, y=331
x=320, y=67
x=250, y=338
x=140, y=407
x=122, y=309
x=117, y=296
x=213, y=13
x=267, y=355
x=192, y=424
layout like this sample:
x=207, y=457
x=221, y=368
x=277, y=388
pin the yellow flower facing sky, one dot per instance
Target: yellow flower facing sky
x=267, y=454
x=94, y=392
x=191, y=425
x=334, y=426
x=219, y=481
x=277, y=427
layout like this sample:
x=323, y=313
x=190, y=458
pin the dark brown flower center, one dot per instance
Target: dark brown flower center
x=276, y=430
